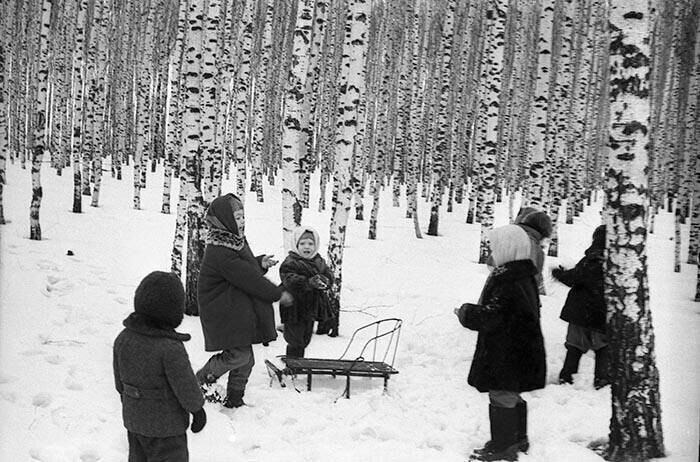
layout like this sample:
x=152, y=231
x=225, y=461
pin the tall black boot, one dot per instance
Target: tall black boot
x=504, y=436
x=601, y=376
x=523, y=441
x=570, y=367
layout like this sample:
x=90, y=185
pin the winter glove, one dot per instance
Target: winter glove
x=199, y=420
x=557, y=272
x=317, y=282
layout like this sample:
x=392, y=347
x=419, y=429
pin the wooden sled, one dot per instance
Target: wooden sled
x=387, y=329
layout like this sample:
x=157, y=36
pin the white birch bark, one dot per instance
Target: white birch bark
x=242, y=92
x=352, y=74
x=441, y=147
x=635, y=426
x=39, y=123
x=496, y=14
x=293, y=142
x=210, y=146
x=538, y=122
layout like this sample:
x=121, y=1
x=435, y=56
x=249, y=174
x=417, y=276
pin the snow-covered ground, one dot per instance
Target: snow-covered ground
x=59, y=315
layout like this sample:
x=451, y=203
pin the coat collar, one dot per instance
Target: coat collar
x=146, y=326
x=514, y=270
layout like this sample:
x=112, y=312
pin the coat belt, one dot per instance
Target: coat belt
x=142, y=393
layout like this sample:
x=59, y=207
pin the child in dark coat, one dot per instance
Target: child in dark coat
x=305, y=274
x=509, y=357
x=235, y=300
x=585, y=312
x=153, y=375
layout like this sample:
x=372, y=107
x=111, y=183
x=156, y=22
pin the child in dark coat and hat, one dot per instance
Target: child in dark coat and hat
x=509, y=358
x=235, y=300
x=305, y=274
x=585, y=311
x=153, y=375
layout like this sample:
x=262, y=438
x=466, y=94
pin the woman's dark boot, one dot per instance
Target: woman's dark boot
x=601, y=376
x=570, y=367
x=504, y=436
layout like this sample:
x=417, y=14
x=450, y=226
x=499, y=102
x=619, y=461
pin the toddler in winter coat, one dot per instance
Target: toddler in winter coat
x=585, y=312
x=305, y=274
x=509, y=356
x=153, y=375
x=235, y=300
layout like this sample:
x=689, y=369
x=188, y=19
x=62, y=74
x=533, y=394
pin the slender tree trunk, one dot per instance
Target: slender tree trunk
x=40, y=121
x=352, y=72
x=635, y=426
x=293, y=143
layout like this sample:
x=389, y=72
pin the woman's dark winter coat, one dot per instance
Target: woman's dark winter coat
x=235, y=299
x=309, y=303
x=585, y=304
x=153, y=375
x=510, y=349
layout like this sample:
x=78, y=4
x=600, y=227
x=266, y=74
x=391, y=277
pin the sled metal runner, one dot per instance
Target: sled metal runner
x=387, y=329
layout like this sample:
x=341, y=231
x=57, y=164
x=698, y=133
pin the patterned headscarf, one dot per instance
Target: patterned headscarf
x=223, y=230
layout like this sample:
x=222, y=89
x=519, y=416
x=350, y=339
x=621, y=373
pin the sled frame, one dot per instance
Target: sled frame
x=389, y=328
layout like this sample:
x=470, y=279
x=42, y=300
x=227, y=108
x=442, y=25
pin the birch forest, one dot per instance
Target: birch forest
x=444, y=101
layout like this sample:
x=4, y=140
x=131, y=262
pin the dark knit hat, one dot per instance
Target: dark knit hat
x=161, y=297
x=535, y=219
x=599, y=237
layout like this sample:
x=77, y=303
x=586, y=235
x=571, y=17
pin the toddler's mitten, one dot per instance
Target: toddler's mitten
x=316, y=282
x=199, y=420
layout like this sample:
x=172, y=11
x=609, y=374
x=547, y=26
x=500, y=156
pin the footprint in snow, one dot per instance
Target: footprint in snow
x=32, y=352
x=122, y=300
x=72, y=384
x=91, y=455
x=42, y=399
x=6, y=378
x=55, y=359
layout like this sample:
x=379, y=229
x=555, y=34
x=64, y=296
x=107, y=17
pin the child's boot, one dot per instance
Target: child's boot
x=504, y=436
x=570, y=367
x=523, y=441
x=234, y=398
x=601, y=376
x=294, y=351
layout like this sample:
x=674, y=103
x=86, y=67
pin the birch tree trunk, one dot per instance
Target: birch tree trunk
x=352, y=74
x=538, y=122
x=496, y=17
x=635, y=426
x=78, y=78
x=242, y=92
x=441, y=148
x=39, y=124
x=293, y=143
x=4, y=133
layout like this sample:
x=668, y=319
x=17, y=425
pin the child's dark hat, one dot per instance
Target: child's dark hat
x=161, y=297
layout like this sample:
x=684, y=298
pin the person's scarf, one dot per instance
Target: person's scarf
x=218, y=215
